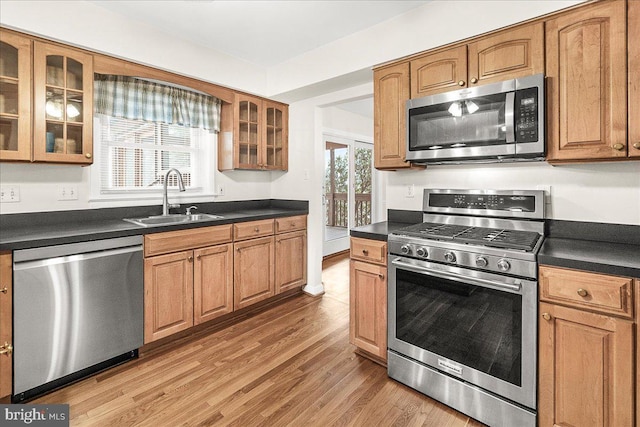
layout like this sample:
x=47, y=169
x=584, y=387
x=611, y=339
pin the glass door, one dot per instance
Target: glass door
x=336, y=191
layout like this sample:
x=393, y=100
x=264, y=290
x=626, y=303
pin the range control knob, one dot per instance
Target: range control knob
x=405, y=249
x=481, y=262
x=422, y=252
x=504, y=265
x=450, y=257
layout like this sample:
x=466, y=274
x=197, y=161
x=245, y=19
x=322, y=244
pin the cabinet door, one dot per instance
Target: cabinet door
x=291, y=260
x=506, y=55
x=15, y=97
x=168, y=295
x=390, y=94
x=247, y=132
x=212, y=282
x=586, y=369
x=368, y=308
x=633, y=40
x=253, y=270
x=439, y=72
x=63, y=105
x=275, y=137
x=6, y=323
x=586, y=83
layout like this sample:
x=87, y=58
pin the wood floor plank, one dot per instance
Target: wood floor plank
x=288, y=365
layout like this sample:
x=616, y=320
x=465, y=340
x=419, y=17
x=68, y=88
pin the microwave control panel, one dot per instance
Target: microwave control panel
x=526, y=115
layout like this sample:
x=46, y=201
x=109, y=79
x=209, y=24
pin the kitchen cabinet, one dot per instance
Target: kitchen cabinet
x=15, y=96
x=633, y=49
x=511, y=53
x=586, y=349
x=6, y=324
x=390, y=94
x=368, y=298
x=187, y=279
x=253, y=262
x=291, y=253
x=260, y=136
x=586, y=74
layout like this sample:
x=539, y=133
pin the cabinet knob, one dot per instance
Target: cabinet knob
x=198, y=257
x=461, y=83
x=474, y=80
x=257, y=230
x=381, y=276
x=583, y=292
x=546, y=316
x=4, y=290
x=190, y=259
x=87, y=155
x=636, y=145
x=6, y=349
x=365, y=252
x=618, y=147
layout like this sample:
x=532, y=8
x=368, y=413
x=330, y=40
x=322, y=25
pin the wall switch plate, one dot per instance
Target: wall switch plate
x=68, y=192
x=306, y=175
x=9, y=194
x=411, y=191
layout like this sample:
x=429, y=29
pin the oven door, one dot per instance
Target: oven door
x=474, y=326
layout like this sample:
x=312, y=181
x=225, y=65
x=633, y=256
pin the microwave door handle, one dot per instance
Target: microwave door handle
x=509, y=117
x=499, y=286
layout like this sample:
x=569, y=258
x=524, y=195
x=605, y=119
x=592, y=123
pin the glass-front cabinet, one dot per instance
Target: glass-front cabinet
x=63, y=103
x=15, y=97
x=276, y=125
x=248, y=132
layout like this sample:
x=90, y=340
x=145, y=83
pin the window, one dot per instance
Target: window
x=142, y=129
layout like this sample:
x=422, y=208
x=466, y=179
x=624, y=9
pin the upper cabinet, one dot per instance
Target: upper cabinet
x=586, y=83
x=633, y=40
x=260, y=136
x=507, y=54
x=390, y=94
x=15, y=97
x=63, y=104
x=46, y=101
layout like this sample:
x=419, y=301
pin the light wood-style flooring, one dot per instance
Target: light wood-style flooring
x=290, y=365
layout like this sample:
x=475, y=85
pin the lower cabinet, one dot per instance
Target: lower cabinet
x=586, y=349
x=253, y=269
x=212, y=282
x=6, y=324
x=368, y=298
x=291, y=260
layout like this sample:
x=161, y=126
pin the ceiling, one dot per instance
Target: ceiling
x=261, y=32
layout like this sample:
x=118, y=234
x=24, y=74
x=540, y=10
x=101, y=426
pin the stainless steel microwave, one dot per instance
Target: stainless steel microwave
x=491, y=123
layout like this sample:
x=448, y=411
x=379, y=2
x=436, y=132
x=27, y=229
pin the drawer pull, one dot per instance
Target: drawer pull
x=6, y=349
x=583, y=292
x=4, y=290
x=546, y=316
x=381, y=276
x=365, y=252
x=257, y=230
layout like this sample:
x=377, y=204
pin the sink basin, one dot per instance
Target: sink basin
x=171, y=219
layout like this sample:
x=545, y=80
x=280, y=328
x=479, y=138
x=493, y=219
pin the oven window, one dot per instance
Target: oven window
x=471, y=325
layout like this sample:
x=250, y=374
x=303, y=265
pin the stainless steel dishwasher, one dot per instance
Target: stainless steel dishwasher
x=77, y=309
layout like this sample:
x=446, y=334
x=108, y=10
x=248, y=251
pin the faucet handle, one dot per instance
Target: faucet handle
x=190, y=208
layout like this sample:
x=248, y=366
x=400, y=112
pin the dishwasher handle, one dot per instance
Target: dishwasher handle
x=65, y=259
x=57, y=251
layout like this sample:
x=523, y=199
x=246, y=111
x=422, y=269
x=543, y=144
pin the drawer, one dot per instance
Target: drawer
x=592, y=291
x=292, y=223
x=369, y=250
x=249, y=230
x=174, y=241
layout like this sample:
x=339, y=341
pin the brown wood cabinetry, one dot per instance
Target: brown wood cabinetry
x=291, y=253
x=253, y=270
x=587, y=83
x=368, y=299
x=6, y=324
x=390, y=94
x=15, y=96
x=260, y=136
x=587, y=353
x=633, y=50
x=504, y=55
x=187, y=279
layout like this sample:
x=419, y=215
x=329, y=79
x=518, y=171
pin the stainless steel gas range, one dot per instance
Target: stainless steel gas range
x=462, y=302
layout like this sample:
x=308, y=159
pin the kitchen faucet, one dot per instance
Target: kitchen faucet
x=165, y=200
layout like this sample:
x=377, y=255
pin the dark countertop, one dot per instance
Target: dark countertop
x=380, y=230
x=30, y=230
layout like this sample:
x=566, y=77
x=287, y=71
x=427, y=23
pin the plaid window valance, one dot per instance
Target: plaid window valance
x=137, y=99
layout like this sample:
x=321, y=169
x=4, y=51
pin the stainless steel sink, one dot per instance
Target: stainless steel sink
x=171, y=219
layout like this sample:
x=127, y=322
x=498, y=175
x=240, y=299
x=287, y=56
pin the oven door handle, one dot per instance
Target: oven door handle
x=516, y=287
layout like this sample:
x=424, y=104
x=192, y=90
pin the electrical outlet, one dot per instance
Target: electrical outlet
x=9, y=194
x=68, y=192
x=411, y=191
x=220, y=190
